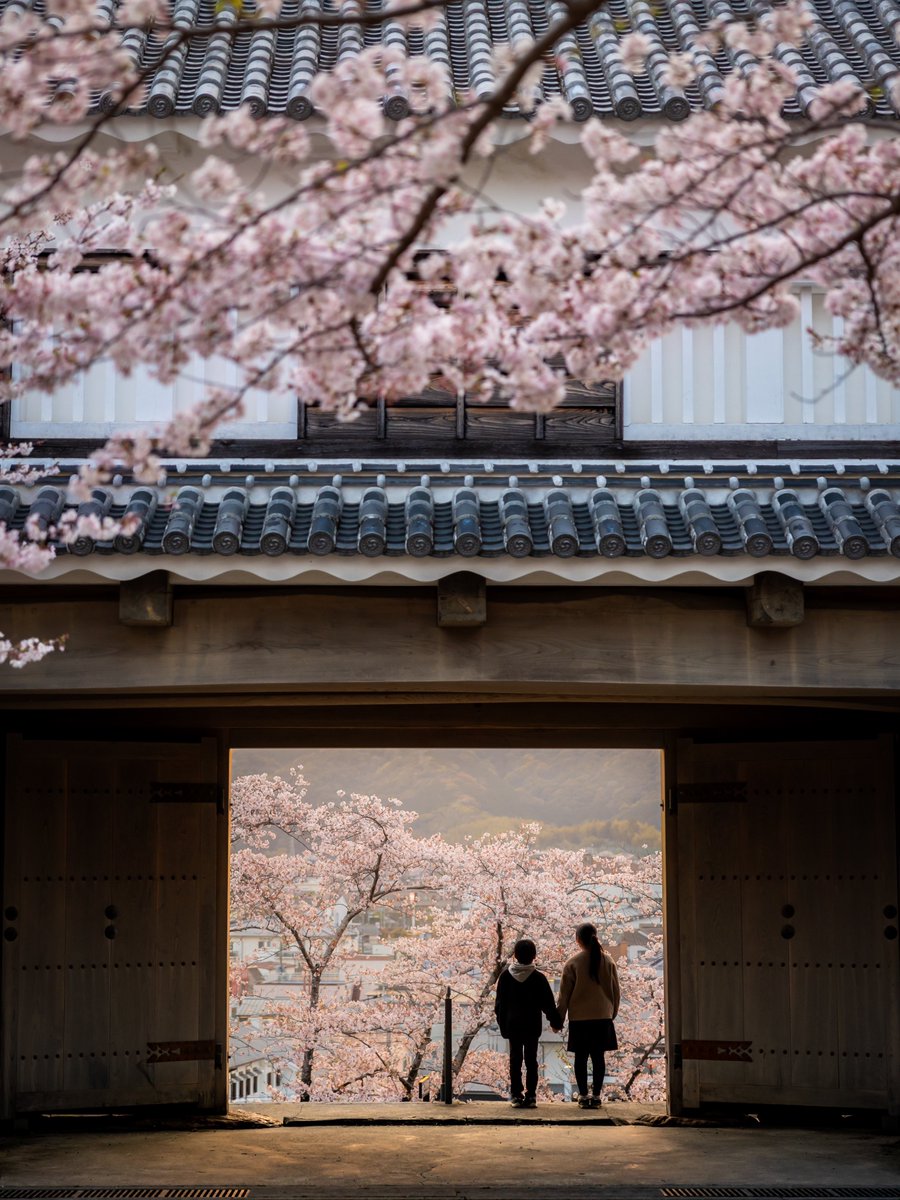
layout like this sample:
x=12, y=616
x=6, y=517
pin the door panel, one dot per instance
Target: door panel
x=40, y=922
x=783, y=883
x=89, y=888
x=109, y=980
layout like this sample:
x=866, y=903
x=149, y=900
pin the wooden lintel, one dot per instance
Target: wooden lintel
x=461, y=601
x=774, y=601
x=650, y=643
x=146, y=601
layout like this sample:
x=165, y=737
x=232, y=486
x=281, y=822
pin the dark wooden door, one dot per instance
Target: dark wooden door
x=786, y=870
x=110, y=981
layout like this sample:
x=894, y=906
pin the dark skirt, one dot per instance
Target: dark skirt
x=592, y=1037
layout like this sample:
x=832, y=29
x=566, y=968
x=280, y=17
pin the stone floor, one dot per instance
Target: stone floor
x=490, y=1157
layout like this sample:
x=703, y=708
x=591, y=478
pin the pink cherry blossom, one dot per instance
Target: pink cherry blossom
x=634, y=50
x=321, y=292
x=308, y=872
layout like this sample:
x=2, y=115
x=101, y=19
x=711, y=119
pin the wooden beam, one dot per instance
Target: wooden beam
x=774, y=602
x=658, y=643
x=146, y=601
x=461, y=601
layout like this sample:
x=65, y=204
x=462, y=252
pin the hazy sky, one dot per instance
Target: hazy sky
x=603, y=798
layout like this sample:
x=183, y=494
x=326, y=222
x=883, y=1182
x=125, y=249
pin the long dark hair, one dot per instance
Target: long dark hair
x=586, y=935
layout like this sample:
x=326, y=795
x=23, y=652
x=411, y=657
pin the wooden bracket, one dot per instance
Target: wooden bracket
x=461, y=601
x=146, y=601
x=774, y=601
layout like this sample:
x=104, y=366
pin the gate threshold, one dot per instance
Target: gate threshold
x=473, y=1112
x=461, y=1117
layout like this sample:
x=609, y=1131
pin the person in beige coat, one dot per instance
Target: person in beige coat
x=589, y=995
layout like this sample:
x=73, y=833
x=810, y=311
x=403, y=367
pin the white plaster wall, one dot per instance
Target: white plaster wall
x=103, y=401
x=695, y=385
x=718, y=383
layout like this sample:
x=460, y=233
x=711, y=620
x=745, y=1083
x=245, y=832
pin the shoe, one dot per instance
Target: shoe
x=584, y=1102
x=529, y=1102
x=517, y=1102
x=596, y=1102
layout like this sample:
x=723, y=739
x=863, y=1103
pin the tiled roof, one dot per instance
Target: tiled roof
x=253, y=1006
x=850, y=517
x=271, y=71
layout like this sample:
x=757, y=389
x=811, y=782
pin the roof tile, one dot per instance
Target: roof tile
x=271, y=72
x=404, y=518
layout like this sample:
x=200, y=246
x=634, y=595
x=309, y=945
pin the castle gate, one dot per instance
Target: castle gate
x=779, y=811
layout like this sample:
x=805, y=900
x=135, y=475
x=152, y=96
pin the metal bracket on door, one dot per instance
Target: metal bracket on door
x=715, y=1051
x=176, y=1052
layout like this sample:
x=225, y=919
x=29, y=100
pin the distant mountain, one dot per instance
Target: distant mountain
x=606, y=799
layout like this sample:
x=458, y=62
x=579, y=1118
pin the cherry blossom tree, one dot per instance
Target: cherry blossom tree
x=307, y=873
x=506, y=888
x=492, y=891
x=322, y=289
x=336, y=862
x=716, y=224
x=640, y=1065
x=626, y=892
x=496, y=889
x=29, y=554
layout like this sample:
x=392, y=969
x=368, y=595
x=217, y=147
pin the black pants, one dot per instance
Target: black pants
x=598, y=1068
x=523, y=1049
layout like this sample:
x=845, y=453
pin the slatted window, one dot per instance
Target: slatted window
x=435, y=420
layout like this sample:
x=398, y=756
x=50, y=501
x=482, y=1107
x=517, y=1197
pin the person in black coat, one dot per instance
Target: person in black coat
x=523, y=993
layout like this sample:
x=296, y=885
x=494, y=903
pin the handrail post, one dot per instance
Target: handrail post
x=447, y=1087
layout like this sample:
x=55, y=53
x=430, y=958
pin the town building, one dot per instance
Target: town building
x=704, y=559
